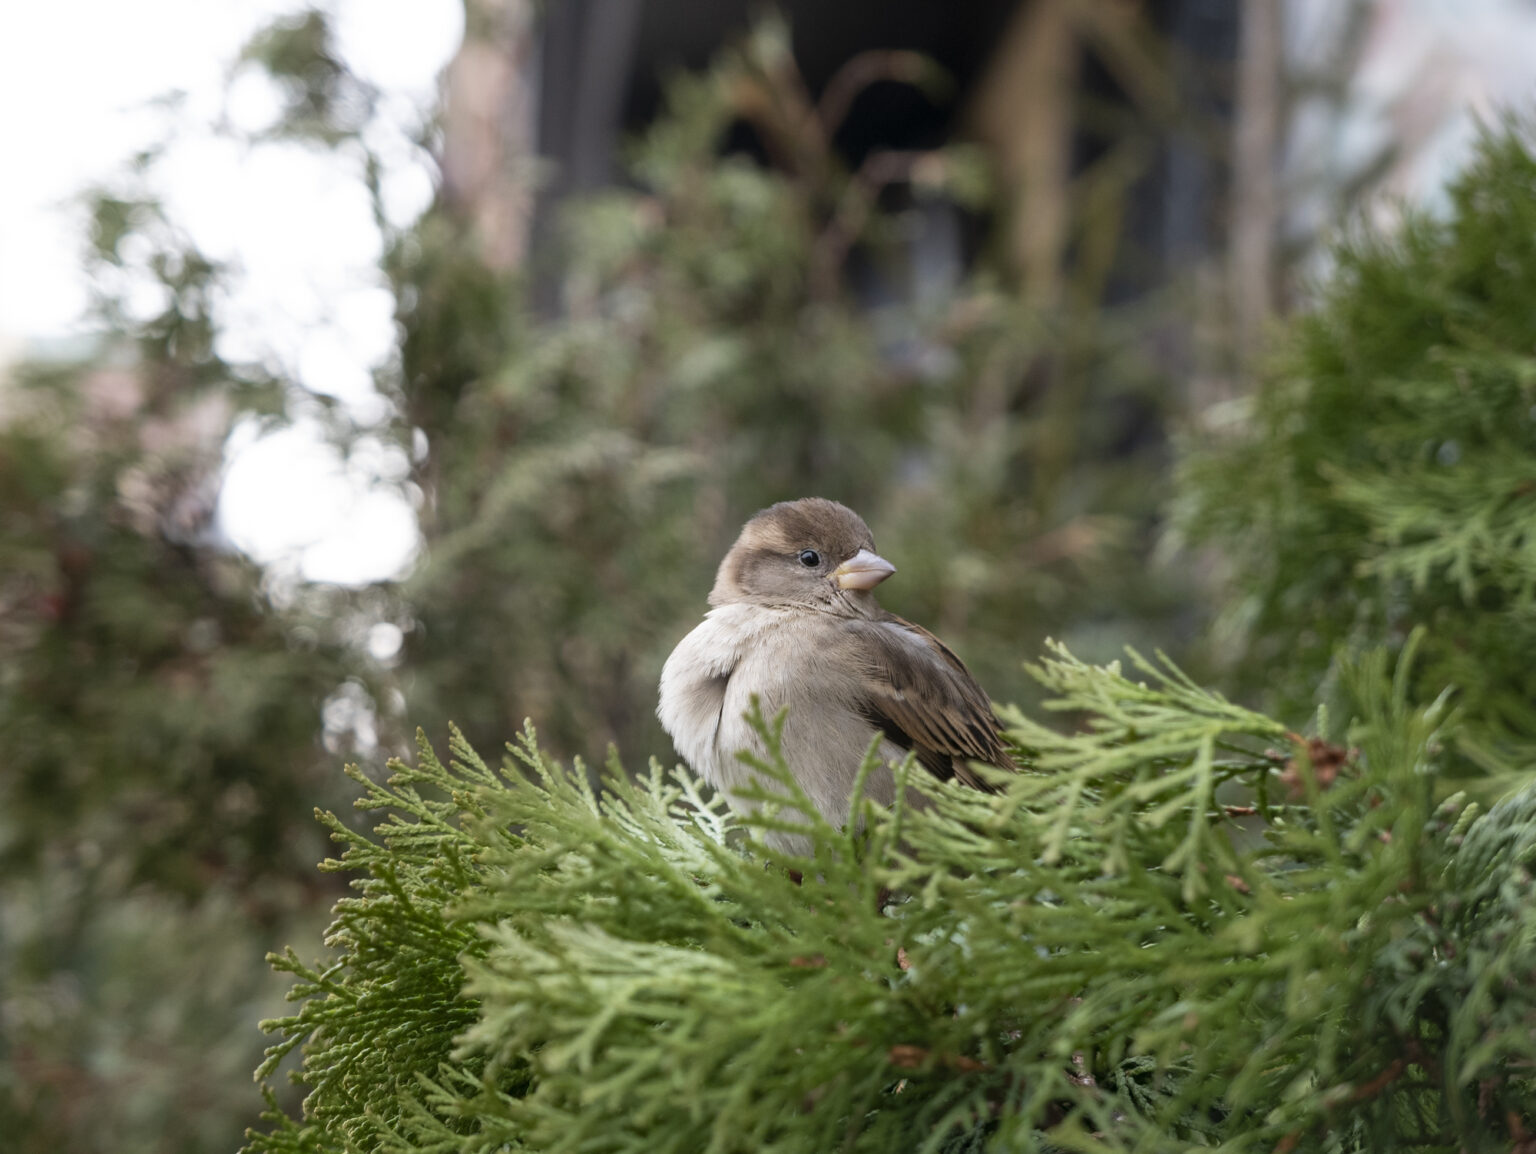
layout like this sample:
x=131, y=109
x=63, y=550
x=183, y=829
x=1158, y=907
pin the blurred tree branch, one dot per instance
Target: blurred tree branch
x=1255, y=157
x=488, y=128
x=1025, y=112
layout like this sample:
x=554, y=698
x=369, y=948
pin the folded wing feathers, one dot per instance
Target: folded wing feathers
x=924, y=699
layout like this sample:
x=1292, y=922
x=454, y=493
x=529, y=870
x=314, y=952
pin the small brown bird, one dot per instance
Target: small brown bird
x=795, y=622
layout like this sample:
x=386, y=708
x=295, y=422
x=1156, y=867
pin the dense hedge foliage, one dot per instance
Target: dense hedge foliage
x=1384, y=475
x=1108, y=956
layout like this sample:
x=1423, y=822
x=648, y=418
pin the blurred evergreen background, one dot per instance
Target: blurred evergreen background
x=970, y=272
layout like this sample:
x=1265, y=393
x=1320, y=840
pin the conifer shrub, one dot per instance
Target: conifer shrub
x=1384, y=475
x=1108, y=956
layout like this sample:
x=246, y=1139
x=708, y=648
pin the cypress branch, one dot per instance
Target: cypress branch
x=1384, y=477
x=1103, y=957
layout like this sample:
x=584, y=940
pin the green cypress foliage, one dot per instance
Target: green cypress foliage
x=1386, y=475
x=1108, y=956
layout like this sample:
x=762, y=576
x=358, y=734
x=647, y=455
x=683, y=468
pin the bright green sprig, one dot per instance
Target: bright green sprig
x=536, y=961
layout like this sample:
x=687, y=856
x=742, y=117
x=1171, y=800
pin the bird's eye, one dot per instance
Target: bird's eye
x=810, y=558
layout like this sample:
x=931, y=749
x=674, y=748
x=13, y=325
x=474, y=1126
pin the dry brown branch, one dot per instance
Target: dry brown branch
x=859, y=73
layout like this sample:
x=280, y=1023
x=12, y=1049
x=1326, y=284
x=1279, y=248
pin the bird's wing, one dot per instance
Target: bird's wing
x=916, y=691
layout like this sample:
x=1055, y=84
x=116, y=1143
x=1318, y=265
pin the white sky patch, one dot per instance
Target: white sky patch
x=305, y=296
x=1428, y=70
x=75, y=82
x=290, y=501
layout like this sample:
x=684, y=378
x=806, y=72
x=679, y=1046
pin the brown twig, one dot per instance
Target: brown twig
x=858, y=74
x=831, y=248
x=909, y=1057
x=1381, y=1081
x=1326, y=761
x=781, y=134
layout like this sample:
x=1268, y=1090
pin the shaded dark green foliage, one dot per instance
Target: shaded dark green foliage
x=1386, y=477
x=130, y=646
x=147, y=684
x=160, y=726
x=1104, y=958
x=160, y=736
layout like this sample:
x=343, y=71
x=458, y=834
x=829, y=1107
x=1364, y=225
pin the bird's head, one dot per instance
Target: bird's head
x=813, y=553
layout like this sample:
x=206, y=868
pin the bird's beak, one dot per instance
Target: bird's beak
x=864, y=570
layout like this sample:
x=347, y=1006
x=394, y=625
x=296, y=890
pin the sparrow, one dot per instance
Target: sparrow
x=794, y=622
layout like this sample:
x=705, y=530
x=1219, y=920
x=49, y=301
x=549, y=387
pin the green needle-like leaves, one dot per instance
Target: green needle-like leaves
x=1181, y=924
